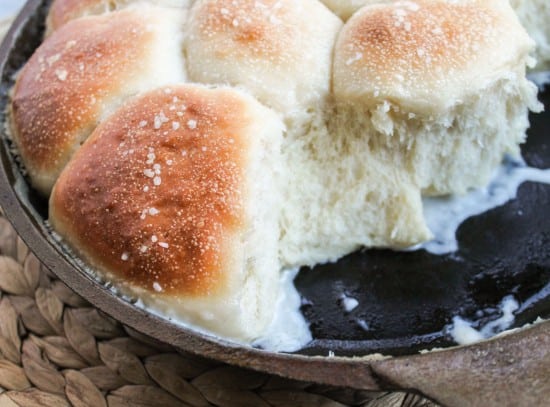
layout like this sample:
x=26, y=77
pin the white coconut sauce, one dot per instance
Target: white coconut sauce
x=348, y=303
x=464, y=333
x=543, y=293
x=444, y=215
x=289, y=330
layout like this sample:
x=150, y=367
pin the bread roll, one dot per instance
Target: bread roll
x=175, y=199
x=280, y=51
x=81, y=73
x=63, y=11
x=432, y=89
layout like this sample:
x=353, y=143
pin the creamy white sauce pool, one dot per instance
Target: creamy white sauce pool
x=348, y=303
x=444, y=215
x=464, y=333
x=289, y=330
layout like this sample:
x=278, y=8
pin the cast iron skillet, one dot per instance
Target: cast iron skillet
x=405, y=298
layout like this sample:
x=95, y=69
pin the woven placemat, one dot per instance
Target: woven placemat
x=58, y=350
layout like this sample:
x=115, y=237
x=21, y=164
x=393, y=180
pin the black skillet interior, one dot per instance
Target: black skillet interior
x=406, y=299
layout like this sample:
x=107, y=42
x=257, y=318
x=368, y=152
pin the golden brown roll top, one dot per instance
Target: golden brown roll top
x=81, y=73
x=175, y=196
x=427, y=55
x=280, y=51
x=533, y=15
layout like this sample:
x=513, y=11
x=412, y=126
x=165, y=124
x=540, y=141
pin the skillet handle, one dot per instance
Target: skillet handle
x=511, y=370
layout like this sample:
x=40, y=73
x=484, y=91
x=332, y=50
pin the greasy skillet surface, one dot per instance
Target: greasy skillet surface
x=406, y=299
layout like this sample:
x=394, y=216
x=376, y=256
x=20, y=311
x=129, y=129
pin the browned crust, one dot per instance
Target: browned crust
x=181, y=233
x=444, y=32
x=407, y=45
x=249, y=28
x=61, y=91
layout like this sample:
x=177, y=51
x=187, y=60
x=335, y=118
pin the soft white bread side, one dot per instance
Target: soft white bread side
x=433, y=90
x=278, y=50
x=175, y=199
x=339, y=197
x=81, y=73
x=535, y=17
x=63, y=11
